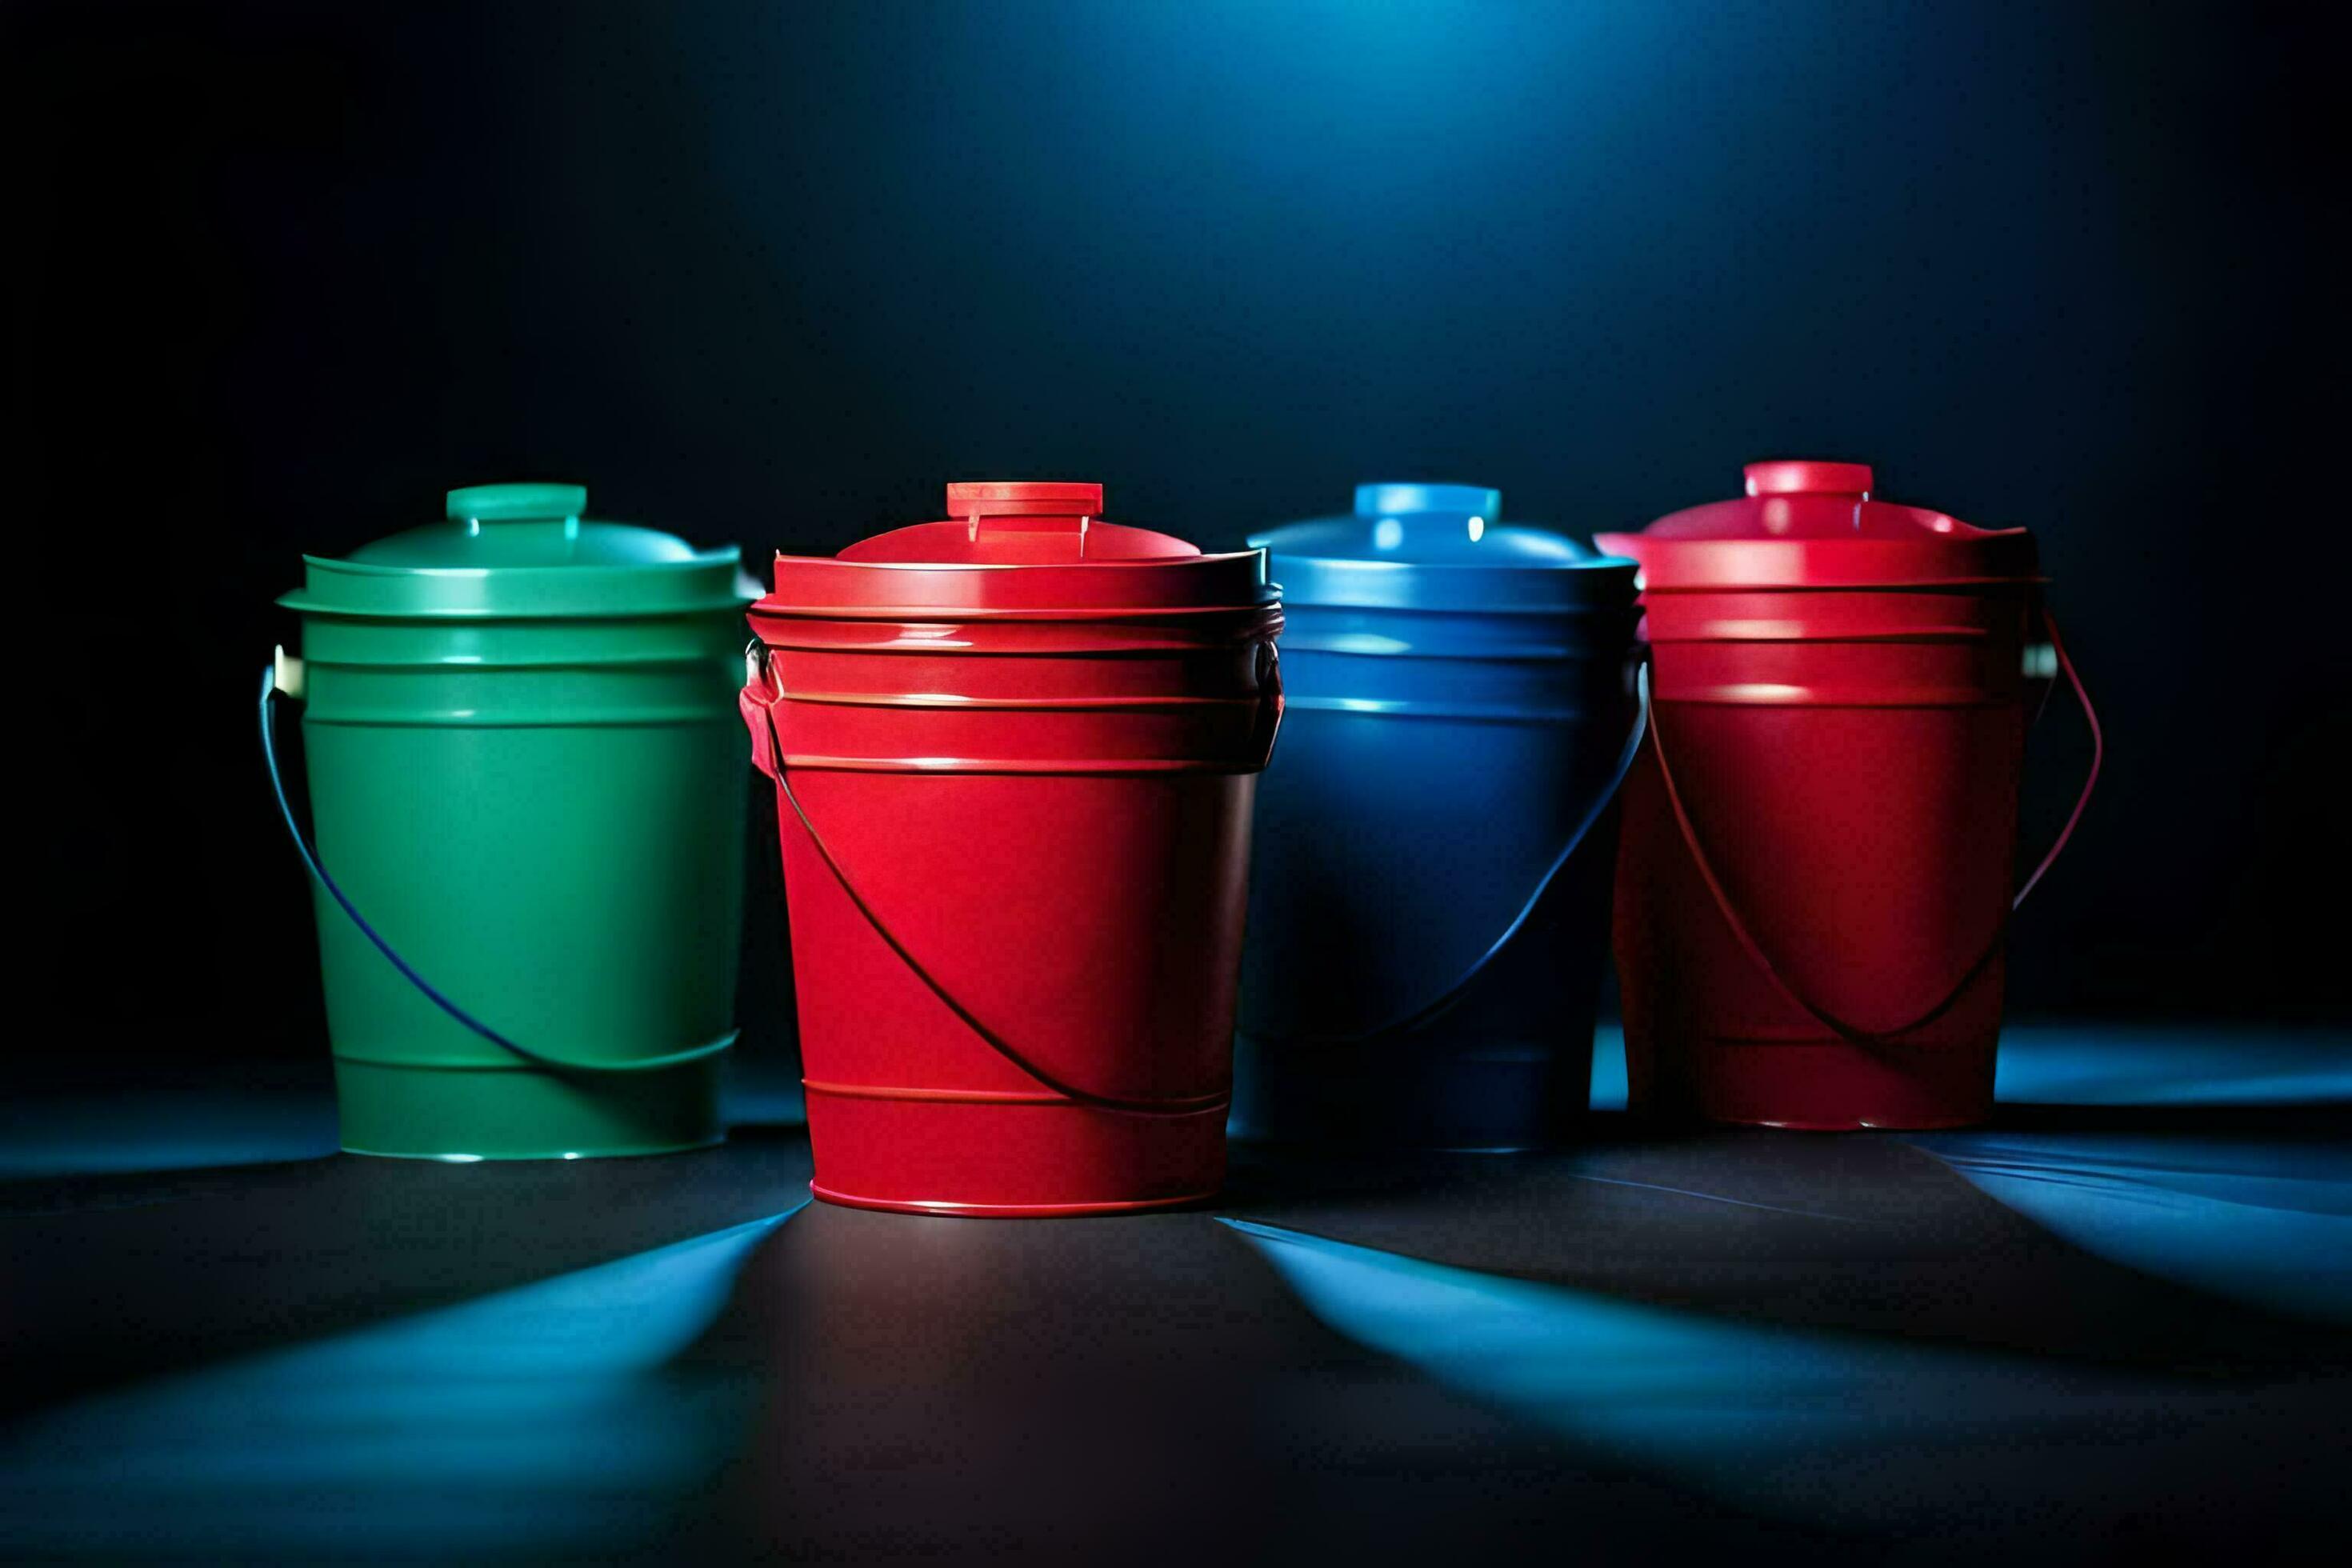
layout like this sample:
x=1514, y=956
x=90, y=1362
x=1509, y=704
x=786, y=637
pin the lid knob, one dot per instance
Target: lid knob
x=1808, y=477
x=517, y=503
x=1023, y=497
x=1452, y=500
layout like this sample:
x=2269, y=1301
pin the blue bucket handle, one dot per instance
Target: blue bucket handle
x=1430, y=1011
x=274, y=680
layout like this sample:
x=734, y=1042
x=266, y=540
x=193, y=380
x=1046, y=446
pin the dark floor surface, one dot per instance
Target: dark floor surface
x=2115, y=1324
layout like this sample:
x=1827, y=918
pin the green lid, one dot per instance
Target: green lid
x=521, y=550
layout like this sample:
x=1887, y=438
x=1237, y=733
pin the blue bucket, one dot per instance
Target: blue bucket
x=1429, y=898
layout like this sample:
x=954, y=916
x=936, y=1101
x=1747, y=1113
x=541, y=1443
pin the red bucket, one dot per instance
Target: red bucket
x=1015, y=755
x=1814, y=883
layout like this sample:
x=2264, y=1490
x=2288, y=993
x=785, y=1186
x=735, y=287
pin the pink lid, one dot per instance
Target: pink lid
x=1014, y=547
x=1808, y=524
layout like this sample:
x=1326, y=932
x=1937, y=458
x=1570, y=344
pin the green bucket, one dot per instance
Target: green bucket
x=528, y=780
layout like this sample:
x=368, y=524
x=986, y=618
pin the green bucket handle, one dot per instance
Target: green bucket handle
x=284, y=675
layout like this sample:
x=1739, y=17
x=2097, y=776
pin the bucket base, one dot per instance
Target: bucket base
x=464, y=1114
x=877, y=1148
x=1007, y=1211
x=1463, y=1095
x=1830, y=1086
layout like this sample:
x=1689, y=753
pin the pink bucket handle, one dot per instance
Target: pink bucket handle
x=1849, y=1033
x=768, y=756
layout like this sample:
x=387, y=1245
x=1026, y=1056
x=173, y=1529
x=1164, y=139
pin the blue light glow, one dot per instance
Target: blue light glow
x=537, y=1421
x=2119, y=1065
x=2268, y=1224
x=2177, y=1065
x=1847, y=1431
x=164, y=1129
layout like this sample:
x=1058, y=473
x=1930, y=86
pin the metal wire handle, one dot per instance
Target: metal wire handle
x=432, y=993
x=1854, y=1034
x=757, y=664
x=1451, y=997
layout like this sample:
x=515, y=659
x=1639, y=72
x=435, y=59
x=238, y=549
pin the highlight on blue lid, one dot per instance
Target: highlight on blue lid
x=1476, y=560
x=1460, y=501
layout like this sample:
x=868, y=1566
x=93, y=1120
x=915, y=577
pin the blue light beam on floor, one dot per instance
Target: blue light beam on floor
x=1842, y=1431
x=2267, y=1224
x=2131, y=1064
x=540, y=1422
x=2175, y=1065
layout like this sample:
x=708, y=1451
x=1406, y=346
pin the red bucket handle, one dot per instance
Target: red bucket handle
x=768, y=756
x=1852, y=1034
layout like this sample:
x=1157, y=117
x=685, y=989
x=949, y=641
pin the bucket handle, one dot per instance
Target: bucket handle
x=1854, y=1034
x=286, y=675
x=1430, y=1011
x=771, y=760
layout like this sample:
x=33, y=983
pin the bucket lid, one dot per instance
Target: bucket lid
x=1014, y=547
x=1438, y=547
x=1806, y=523
x=521, y=550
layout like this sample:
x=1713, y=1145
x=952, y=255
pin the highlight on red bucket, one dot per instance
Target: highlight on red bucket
x=1815, y=876
x=1015, y=753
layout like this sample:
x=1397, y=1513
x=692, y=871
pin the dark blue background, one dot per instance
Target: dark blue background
x=771, y=274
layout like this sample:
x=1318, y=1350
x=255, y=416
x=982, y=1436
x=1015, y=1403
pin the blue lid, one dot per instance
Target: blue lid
x=1438, y=547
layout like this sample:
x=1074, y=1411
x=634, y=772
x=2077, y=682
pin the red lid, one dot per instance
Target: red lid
x=1806, y=523
x=1014, y=549
x=1023, y=498
x=1807, y=476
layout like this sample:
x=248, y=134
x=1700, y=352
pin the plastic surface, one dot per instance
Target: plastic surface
x=1809, y=523
x=1016, y=840
x=521, y=551
x=1809, y=916
x=1426, y=928
x=1437, y=547
x=1069, y=560
x=542, y=810
x=271, y=684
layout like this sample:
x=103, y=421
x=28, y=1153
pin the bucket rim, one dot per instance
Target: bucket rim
x=1986, y=558
x=830, y=585
x=919, y=614
x=701, y=559
x=709, y=581
x=1857, y=586
x=1136, y=564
